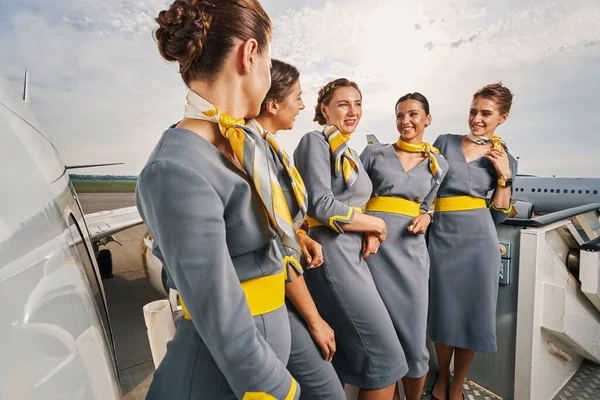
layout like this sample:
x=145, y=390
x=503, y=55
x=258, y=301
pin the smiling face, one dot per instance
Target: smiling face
x=289, y=107
x=411, y=121
x=484, y=117
x=344, y=109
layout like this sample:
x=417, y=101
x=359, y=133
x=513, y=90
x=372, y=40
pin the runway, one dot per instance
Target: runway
x=126, y=293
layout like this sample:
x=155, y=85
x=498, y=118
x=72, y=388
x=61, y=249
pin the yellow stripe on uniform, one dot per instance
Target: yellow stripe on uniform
x=458, y=203
x=263, y=294
x=266, y=396
x=333, y=220
x=394, y=205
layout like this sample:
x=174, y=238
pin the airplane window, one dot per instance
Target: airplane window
x=572, y=191
x=545, y=190
x=581, y=191
x=551, y=190
x=587, y=192
x=595, y=192
x=539, y=190
x=533, y=190
x=566, y=191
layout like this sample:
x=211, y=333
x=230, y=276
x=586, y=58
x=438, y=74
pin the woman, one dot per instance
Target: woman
x=206, y=198
x=406, y=177
x=310, y=358
x=463, y=242
x=368, y=354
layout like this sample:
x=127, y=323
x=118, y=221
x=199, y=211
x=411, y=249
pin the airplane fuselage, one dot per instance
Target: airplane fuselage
x=56, y=338
x=550, y=194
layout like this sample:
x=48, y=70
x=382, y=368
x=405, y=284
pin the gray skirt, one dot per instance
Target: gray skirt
x=314, y=374
x=369, y=354
x=400, y=270
x=465, y=270
x=189, y=371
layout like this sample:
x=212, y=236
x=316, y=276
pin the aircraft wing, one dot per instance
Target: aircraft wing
x=105, y=223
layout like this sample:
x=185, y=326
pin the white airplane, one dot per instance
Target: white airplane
x=542, y=195
x=56, y=335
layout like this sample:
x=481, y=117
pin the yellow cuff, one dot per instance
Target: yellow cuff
x=299, y=231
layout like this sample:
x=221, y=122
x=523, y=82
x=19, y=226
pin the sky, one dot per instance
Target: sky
x=103, y=93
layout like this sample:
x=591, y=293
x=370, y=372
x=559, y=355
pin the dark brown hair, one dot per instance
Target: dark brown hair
x=499, y=94
x=283, y=77
x=414, y=96
x=326, y=94
x=200, y=34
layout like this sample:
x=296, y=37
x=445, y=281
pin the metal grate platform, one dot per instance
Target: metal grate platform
x=585, y=384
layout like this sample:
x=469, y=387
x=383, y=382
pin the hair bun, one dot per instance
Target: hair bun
x=183, y=31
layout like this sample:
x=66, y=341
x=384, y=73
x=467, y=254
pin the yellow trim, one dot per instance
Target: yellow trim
x=258, y=396
x=266, y=396
x=263, y=294
x=292, y=392
x=299, y=231
x=394, y=205
x=458, y=203
x=501, y=183
x=313, y=222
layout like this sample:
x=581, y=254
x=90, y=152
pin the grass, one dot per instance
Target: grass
x=90, y=186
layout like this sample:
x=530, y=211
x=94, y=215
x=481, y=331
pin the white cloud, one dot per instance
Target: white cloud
x=104, y=94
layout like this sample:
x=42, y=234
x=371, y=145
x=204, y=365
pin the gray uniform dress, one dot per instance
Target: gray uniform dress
x=316, y=376
x=465, y=255
x=368, y=354
x=212, y=232
x=400, y=268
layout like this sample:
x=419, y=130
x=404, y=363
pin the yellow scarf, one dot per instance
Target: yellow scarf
x=249, y=148
x=428, y=150
x=344, y=162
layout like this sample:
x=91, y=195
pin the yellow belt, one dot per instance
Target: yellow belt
x=394, y=205
x=264, y=294
x=458, y=203
x=313, y=222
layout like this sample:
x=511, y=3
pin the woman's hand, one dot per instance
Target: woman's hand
x=370, y=245
x=500, y=161
x=311, y=250
x=420, y=224
x=379, y=229
x=323, y=335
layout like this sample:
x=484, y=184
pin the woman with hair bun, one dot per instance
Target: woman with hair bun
x=463, y=241
x=310, y=356
x=406, y=176
x=208, y=197
x=369, y=355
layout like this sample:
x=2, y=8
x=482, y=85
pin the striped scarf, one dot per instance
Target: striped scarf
x=428, y=150
x=249, y=148
x=344, y=162
x=295, y=179
x=497, y=143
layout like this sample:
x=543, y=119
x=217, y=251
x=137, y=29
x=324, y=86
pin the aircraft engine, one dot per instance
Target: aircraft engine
x=154, y=268
x=524, y=209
